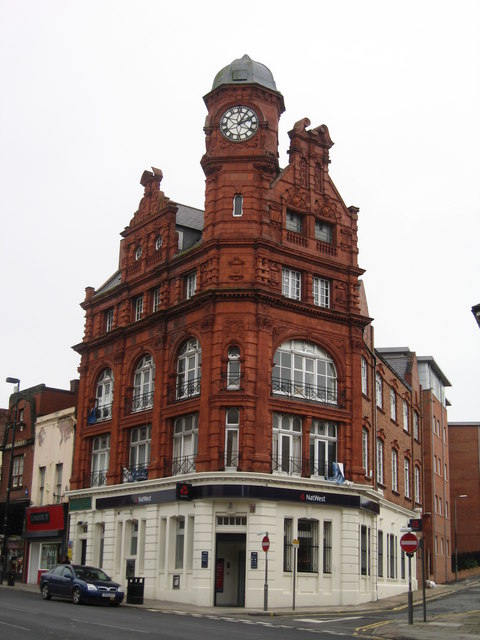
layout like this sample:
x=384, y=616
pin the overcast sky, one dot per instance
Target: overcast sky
x=93, y=92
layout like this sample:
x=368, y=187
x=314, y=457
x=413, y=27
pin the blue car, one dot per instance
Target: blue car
x=80, y=583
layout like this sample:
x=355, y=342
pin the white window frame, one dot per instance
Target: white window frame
x=417, y=484
x=185, y=443
x=323, y=448
x=179, y=542
x=406, y=478
x=364, y=375
x=143, y=384
x=379, y=454
x=140, y=446
x=365, y=438
x=321, y=292
x=393, y=404
x=41, y=484
x=189, y=369
x=17, y=471
x=303, y=370
x=287, y=444
x=156, y=299
x=57, y=498
x=104, y=395
x=379, y=390
x=416, y=431
x=158, y=243
x=100, y=460
x=138, y=308
x=190, y=285
x=291, y=284
x=233, y=368
x=405, y=416
x=109, y=320
x=232, y=431
x=394, y=470
x=237, y=205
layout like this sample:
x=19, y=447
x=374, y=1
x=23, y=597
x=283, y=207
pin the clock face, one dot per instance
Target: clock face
x=239, y=123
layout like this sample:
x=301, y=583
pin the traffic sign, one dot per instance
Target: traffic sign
x=266, y=543
x=409, y=542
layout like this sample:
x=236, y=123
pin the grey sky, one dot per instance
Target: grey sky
x=96, y=91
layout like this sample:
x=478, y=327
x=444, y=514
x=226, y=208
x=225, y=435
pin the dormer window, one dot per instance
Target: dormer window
x=294, y=221
x=323, y=231
x=138, y=253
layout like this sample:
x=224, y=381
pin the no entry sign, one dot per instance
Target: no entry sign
x=266, y=543
x=409, y=542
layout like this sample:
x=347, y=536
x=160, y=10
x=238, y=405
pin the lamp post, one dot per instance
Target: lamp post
x=463, y=495
x=15, y=381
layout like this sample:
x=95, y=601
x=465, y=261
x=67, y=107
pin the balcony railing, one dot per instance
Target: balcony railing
x=324, y=395
x=142, y=402
x=135, y=473
x=99, y=414
x=98, y=478
x=231, y=459
x=321, y=470
x=232, y=382
x=185, y=464
x=288, y=465
x=184, y=389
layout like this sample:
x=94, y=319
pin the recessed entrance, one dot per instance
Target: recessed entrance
x=230, y=560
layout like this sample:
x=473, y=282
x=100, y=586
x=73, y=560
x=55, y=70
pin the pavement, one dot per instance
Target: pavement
x=461, y=625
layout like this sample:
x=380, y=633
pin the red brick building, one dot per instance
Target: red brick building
x=464, y=438
x=221, y=382
x=18, y=444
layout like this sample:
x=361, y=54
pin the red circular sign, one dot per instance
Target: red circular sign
x=409, y=542
x=266, y=543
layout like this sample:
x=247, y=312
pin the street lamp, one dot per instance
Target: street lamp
x=16, y=382
x=463, y=495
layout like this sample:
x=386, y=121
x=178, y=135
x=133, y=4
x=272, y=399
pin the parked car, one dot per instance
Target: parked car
x=80, y=583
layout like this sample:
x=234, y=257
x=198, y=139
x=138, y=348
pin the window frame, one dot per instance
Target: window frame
x=323, y=231
x=232, y=434
x=18, y=467
x=237, y=210
x=189, y=369
x=100, y=460
x=287, y=444
x=379, y=448
x=143, y=384
x=190, y=284
x=323, y=445
x=321, y=292
x=307, y=553
x=185, y=443
x=291, y=283
x=395, y=470
x=234, y=368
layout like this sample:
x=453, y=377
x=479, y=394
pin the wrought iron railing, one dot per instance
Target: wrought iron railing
x=187, y=388
x=98, y=478
x=231, y=459
x=324, y=395
x=283, y=464
x=232, y=382
x=135, y=473
x=321, y=470
x=185, y=464
x=100, y=413
x=142, y=402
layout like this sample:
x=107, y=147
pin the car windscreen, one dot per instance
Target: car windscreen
x=90, y=573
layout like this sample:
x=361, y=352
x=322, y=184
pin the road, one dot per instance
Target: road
x=23, y=614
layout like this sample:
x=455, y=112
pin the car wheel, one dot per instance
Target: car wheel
x=46, y=592
x=77, y=596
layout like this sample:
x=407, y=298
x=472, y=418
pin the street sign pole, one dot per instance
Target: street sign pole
x=409, y=544
x=410, y=594
x=295, y=545
x=265, y=547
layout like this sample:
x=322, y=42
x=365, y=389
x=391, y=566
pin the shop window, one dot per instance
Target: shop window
x=308, y=546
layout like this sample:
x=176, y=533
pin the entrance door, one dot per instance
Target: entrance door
x=230, y=558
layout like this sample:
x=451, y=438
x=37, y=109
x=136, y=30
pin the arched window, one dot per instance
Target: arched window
x=237, y=205
x=233, y=368
x=104, y=395
x=189, y=369
x=304, y=370
x=323, y=448
x=143, y=382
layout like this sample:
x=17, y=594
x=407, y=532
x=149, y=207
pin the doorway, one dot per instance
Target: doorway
x=230, y=558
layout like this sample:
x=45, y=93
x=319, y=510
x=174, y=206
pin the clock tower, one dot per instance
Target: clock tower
x=241, y=158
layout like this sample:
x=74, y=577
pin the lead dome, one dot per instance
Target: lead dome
x=245, y=70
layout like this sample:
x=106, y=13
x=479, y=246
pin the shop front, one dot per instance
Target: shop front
x=45, y=537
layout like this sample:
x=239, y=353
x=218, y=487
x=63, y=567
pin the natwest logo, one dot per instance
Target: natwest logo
x=312, y=497
x=184, y=491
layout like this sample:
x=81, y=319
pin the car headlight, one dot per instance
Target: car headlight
x=120, y=588
x=91, y=587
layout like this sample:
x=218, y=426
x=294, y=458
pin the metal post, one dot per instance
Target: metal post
x=294, y=575
x=410, y=594
x=265, y=586
x=422, y=545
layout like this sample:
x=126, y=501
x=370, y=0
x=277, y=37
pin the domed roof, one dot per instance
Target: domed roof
x=245, y=70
